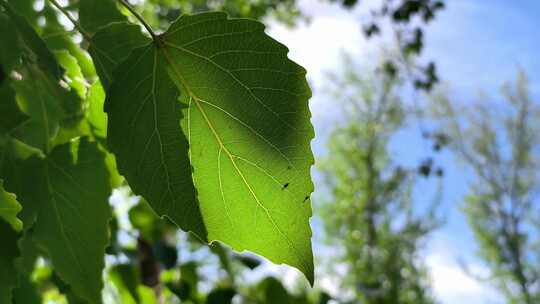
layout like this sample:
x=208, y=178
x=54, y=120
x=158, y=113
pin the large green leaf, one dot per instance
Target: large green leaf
x=159, y=168
x=73, y=215
x=9, y=207
x=246, y=118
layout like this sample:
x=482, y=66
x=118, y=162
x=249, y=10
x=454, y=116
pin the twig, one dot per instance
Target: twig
x=75, y=23
x=140, y=18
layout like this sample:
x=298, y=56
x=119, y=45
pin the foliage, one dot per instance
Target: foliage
x=371, y=213
x=190, y=119
x=500, y=144
x=405, y=19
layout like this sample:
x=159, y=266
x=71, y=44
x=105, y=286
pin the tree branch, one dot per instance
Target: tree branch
x=75, y=23
x=139, y=17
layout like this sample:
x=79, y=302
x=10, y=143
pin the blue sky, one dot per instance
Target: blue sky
x=477, y=45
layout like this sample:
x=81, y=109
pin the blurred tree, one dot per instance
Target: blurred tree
x=500, y=143
x=405, y=20
x=371, y=215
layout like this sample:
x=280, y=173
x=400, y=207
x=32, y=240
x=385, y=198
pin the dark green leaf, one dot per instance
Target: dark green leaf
x=161, y=173
x=9, y=56
x=273, y=291
x=95, y=14
x=248, y=261
x=11, y=114
x=73, y=215
x=221, y=296
x=8, y=254
x=36, y=48
x=26, y=291
x=111, y=45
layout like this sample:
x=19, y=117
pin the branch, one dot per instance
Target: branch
x=75, y=23
x=140, y=18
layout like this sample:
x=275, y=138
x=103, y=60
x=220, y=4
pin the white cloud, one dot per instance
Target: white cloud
x=317, y=45
x=452, y=285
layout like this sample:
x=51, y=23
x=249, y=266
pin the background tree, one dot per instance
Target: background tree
x=499, y=142
x=371, y=215
x=403, y=20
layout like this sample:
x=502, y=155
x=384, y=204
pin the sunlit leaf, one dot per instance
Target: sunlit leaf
x=96, y=115
x=9, y=207
x=242, y=107
x=73, y=71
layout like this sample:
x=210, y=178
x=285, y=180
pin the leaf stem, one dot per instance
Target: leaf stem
x=140, y=18
x=75, y=23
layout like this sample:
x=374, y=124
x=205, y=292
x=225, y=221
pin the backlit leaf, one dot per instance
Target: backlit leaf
x=39, y=91
x=242, y=106
x=9, y=207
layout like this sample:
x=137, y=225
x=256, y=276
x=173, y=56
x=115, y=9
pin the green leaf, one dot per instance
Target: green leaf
x=39, y=91
x=11, y=114
x=8, y=254
x=37, y=95
x=111, y=45
x=72, y=224
x=148, y=168
x=17, y=175
x=95, y=14
x=58, y=38
x=9, y=56
x=221, y=296
x=32, y=43
x=9, y=207
x=98, y=124
x=273, y=291
x=125, y=278
x=26, y=291
x=248, y=261
x=246, y=116
x=96, y=115
x=144, y=219
x=73, y=71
